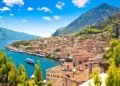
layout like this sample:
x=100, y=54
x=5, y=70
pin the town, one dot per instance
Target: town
x=78, y=59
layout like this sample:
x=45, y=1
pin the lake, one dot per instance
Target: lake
x=19, y=58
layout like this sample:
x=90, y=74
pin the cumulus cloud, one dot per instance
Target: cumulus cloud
x=45, y=9
x=24, y=20
x=11, y=14
x=59, y=5
x=57, y=17
x=5, y=9
x=80, y=3
x=13, y=2
x=47, y=18
x=30, y=9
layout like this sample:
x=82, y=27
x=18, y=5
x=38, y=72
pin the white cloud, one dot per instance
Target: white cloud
x=47, y=18
x=24, y=20
x=38, y=8
x=30, y=9
x=80, y=3
x=13, y=2
x=57, y=17
x=5, y=9
x=11, y=14
x=45, y=9
x=59, y=5
x=0, y=17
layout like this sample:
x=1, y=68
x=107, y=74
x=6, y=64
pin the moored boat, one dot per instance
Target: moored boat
x=42, y=55
x=30, y=61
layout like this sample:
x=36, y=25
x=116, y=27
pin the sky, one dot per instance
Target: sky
x=44, y=17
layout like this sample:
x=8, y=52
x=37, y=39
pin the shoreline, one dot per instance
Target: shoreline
x=12, y=50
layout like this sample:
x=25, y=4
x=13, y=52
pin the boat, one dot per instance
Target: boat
x=43, y=55
x=30, y=61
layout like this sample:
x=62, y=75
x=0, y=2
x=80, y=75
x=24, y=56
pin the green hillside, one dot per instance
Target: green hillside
x=91, y=17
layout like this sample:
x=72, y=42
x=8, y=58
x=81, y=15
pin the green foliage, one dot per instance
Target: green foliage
x=40, y=83
x=114, y=51
x=110, y=26
x=16, y=44
x=113, y=43
x=25, y=43
x=83, y=37
x=13, y=77
x=49, y=84
x=3, y=58
x=116, y=55
x=93, y=75
x=113, y=76
x=38, y=75
x=89, y=30
x=97, y=80
x=22, y=76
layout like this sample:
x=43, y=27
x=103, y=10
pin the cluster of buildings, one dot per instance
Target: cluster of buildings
x=68, y=74
x=86, y=59
x=79, y=59
x=60, y=47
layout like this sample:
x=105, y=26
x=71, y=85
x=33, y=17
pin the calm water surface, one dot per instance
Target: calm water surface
x=19, y=58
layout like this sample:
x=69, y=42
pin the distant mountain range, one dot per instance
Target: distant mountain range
x=91, y=17
x=6, y=34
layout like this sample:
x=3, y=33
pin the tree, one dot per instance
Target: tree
x=113, y=76
x=12, y=76
x=38, y=74
x=22, y=76
x=49, y=84
x=113, y=43
x=113, y=52
x=3, y=58
x=97, y=80
x=116, y=55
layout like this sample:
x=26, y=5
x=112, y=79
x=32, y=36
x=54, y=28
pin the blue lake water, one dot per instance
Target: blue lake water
x=19, y=58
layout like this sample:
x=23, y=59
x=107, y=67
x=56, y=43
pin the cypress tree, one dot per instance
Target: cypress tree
x=38, y=75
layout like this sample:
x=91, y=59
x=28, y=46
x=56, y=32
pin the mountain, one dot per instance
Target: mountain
x=91, y=17
x=6, y=34
x=109, y=27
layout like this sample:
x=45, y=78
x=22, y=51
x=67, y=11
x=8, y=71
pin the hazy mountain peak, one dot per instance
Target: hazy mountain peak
x=7, y=34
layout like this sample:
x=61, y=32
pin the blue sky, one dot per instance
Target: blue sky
x=43, y=17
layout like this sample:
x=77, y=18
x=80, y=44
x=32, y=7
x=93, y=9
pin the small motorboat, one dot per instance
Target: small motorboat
x=29, y=61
